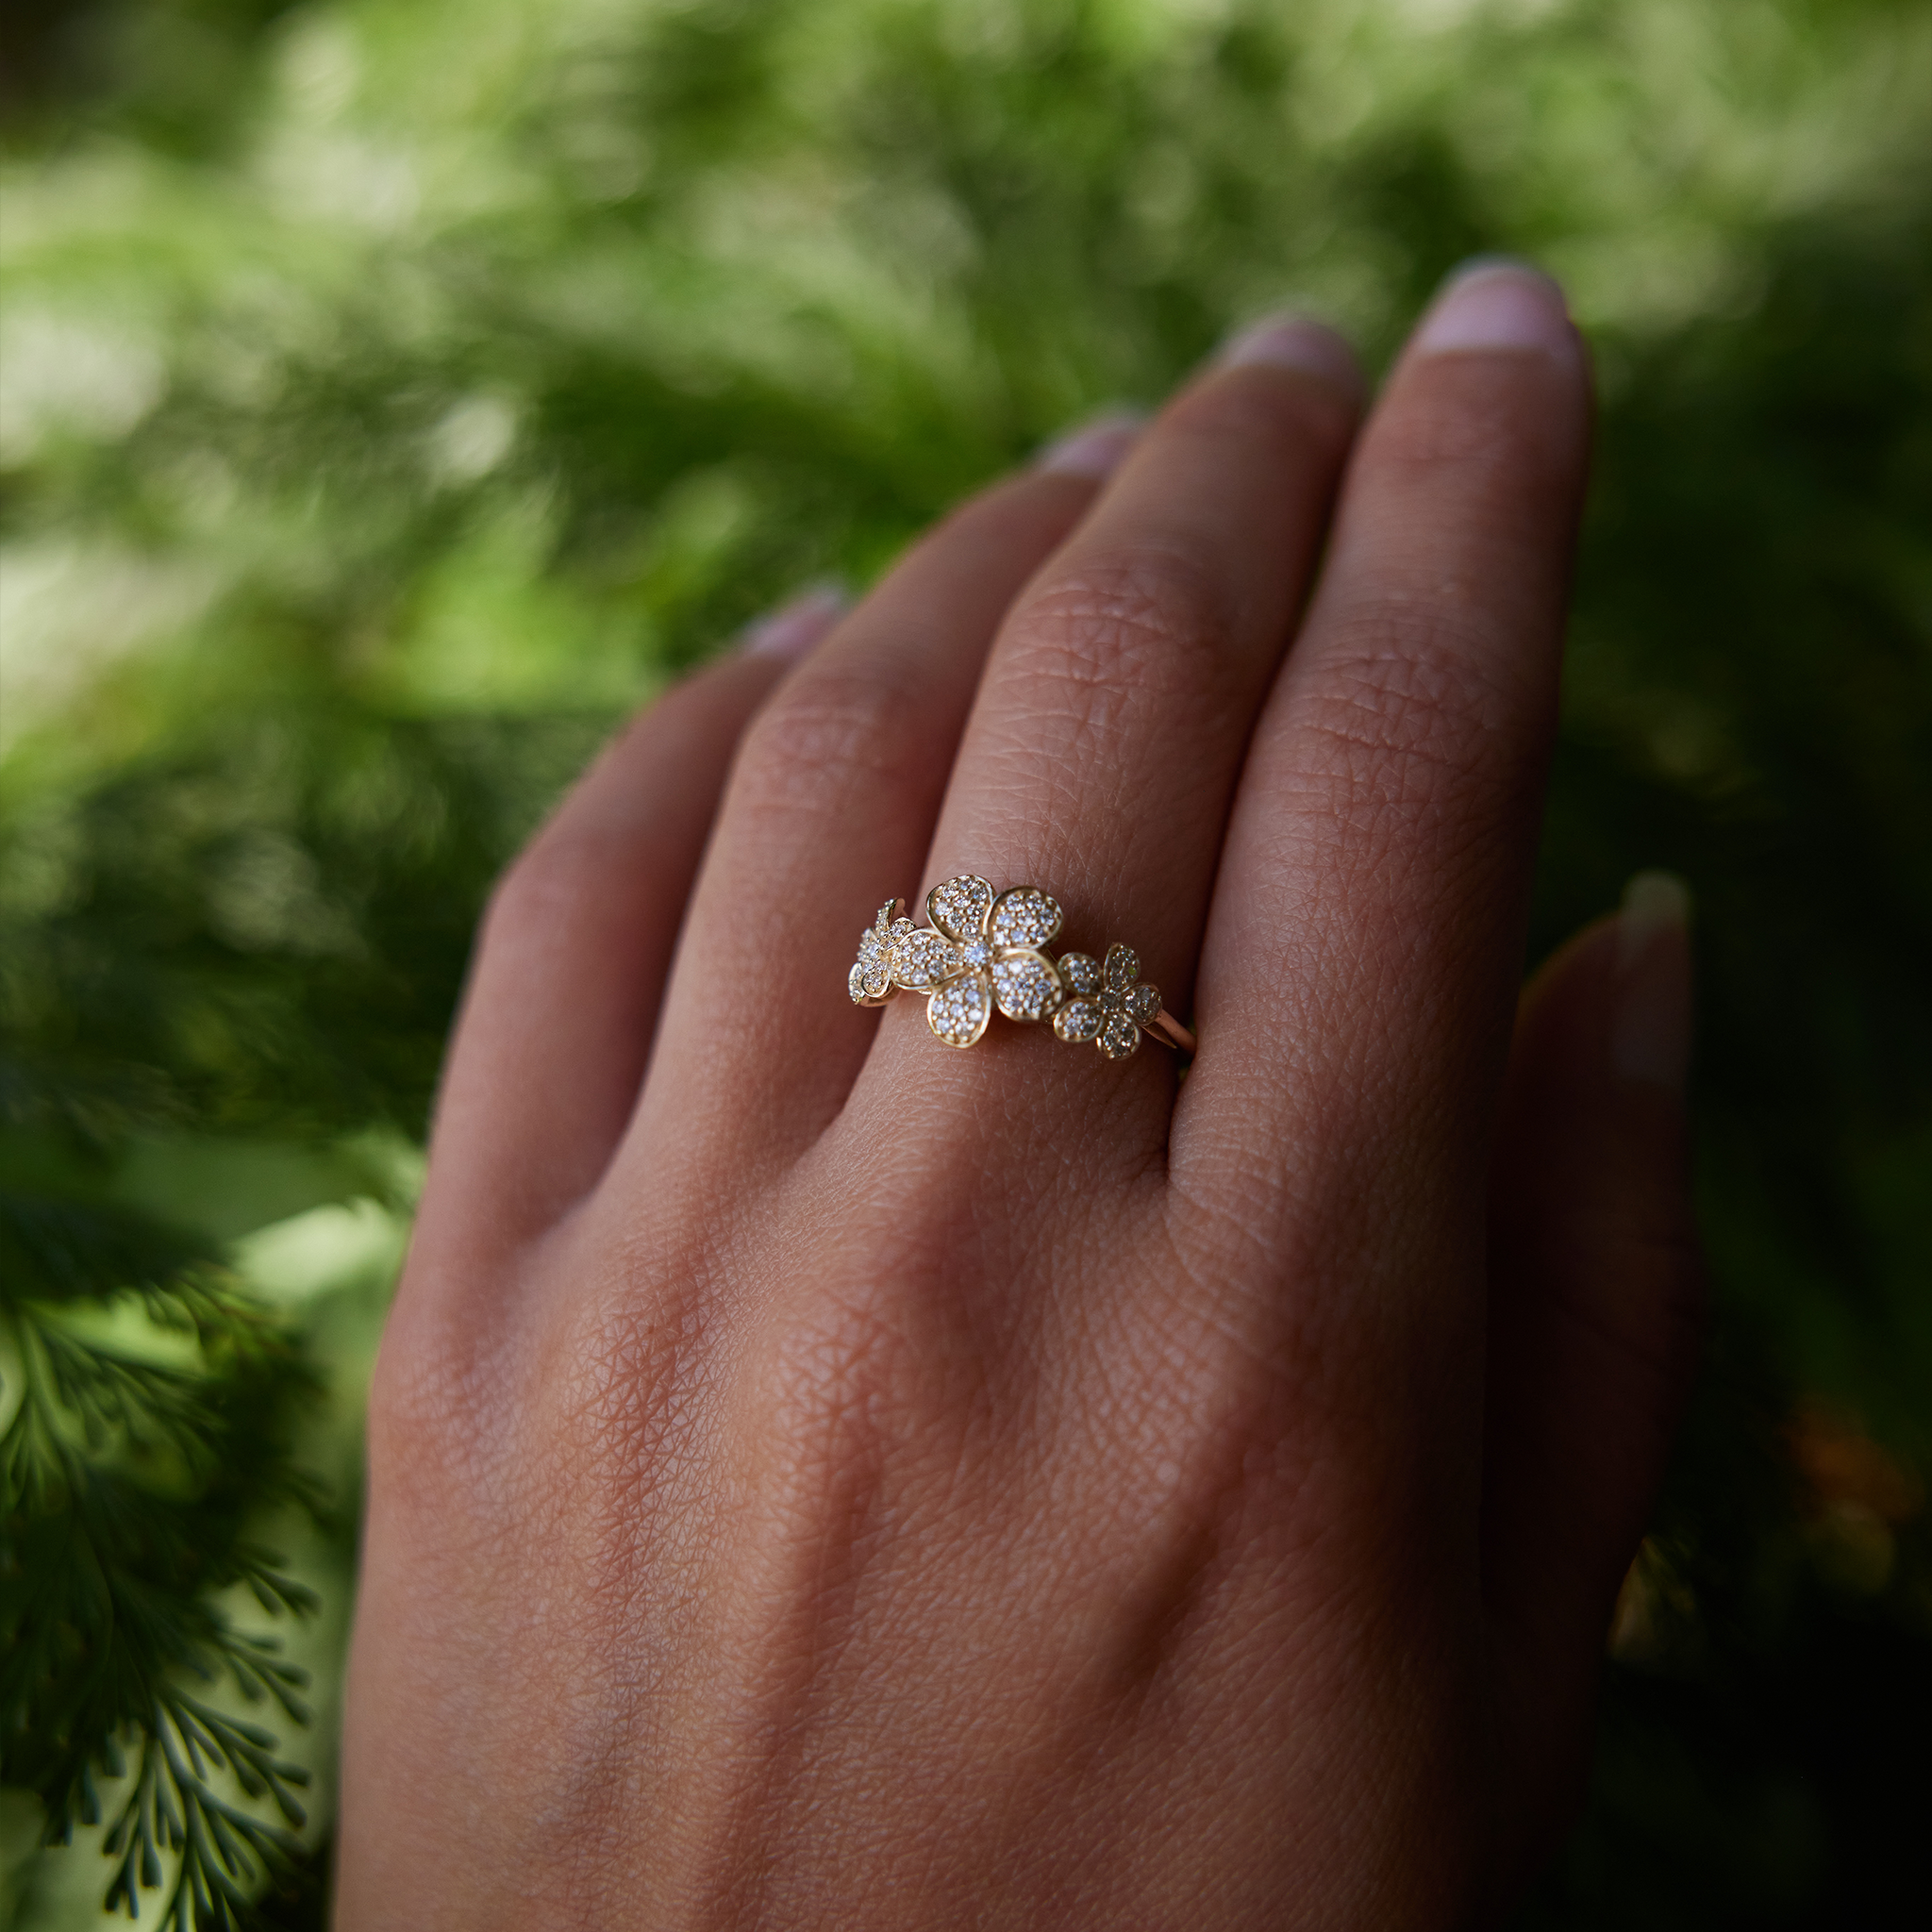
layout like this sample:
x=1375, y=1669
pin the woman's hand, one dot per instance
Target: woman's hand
x=824, y=1479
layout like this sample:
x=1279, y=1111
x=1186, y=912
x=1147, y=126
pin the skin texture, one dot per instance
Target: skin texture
x=822, y=1479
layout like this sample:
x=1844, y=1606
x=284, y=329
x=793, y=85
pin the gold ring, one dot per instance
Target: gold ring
x=985, y=950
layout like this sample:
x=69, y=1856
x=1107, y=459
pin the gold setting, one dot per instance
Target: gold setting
x=985, y=950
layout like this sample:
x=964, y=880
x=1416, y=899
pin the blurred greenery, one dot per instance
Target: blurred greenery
x=393, y=392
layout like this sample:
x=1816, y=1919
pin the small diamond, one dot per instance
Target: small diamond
x=870, y=981
x=873, y=970
x=957, y=1014
x=921, y=959
x=1024, y=916
x=1077, y=1021
x=1112, y=1003
x=959, y=905
x=976, y=953
x=1026, y=988
x=1081, y=971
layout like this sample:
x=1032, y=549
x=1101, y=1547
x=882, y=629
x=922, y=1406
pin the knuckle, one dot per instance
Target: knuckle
x=837, y=1375
x=1407, y=712
x=848, y=1385
x=428, y=1395
x=562, y=878
x=835, y=733
x=1476, y=423
x=1290, y=420
x=633, y=1357
x=1120, y=625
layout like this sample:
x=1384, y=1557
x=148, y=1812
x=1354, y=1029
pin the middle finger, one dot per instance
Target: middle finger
x=1102, y=752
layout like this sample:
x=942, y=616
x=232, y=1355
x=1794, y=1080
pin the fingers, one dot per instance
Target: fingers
x=1595, y=1303
x=1359, y=968
x=829, y=811
x=1118, y=698
x=570, y=968
x=1103, y=749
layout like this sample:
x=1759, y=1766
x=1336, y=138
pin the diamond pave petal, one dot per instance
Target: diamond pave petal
x=921, y=959
x=1081, y=971
x=870, y=981
x=957, y=1014
x=985, y=952
x=958, y=906
x=1024, y=916
x=1077, y=1021
x=1025, y=985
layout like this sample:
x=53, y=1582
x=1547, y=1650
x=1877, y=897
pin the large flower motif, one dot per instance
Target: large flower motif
x=983, y=952
x=1107, y=1004
x=870, y=982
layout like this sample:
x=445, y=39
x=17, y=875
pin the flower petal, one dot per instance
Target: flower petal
x=958, y=906
x=869, y=988
x=1081, y=971
x=1077, y=1021
x=1024, y=916
x=1025, y=985
x=1142, y=1002
x=1120, y=1039
x=1123, y=967
x=921, y=959
x=957, y=1013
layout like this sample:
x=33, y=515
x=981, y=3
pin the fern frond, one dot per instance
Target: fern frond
x=129, y=1484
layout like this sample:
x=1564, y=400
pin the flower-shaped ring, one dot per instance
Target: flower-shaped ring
x=1110, y=1004
x=870, y=982
x=982, y=951
x=985, y=950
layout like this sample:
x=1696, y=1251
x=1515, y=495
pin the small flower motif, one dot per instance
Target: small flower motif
x=870, y=982
x=1107, y=1004
x=984, y=952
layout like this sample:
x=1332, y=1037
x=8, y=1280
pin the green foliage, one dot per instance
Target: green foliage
x=393, y=392
x=131, y=1485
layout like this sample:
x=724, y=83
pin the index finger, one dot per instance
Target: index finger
x=1362, y=958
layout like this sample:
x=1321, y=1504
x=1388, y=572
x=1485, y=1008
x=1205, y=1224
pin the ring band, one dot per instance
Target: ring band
x=983, y=951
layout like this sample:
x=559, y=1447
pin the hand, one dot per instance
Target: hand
x=820, y=1478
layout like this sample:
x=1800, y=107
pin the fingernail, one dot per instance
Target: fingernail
x=793, y=628
x=1650, y=1036
x=1494, y=302
x=1295, y=341
x=1093, y=449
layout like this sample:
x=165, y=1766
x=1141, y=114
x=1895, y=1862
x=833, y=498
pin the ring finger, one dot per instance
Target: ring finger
x=829, y=809
x=1104, y=748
